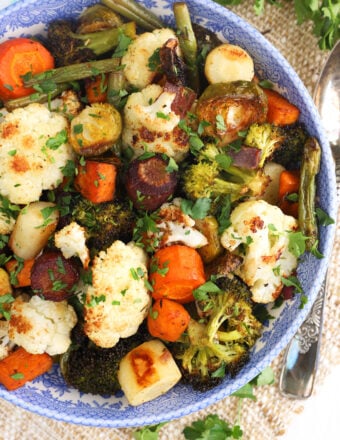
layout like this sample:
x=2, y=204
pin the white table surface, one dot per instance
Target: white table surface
x=320, y=419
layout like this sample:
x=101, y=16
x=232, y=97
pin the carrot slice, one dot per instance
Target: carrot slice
x=167, y=320
x=96, y=88
x=96, y=181
x=280, y=110
x=20, y=367
x=289, y=183
x=175, y=272
x=21, y=271
x=18, y=57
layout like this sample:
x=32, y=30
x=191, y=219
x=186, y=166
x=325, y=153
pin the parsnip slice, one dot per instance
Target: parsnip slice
x=228, y=62
x=32, y=229
x=147, y=372
x=273, y=170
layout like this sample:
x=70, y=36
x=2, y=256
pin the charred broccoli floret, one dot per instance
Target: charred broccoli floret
x=104, y=222
x=283, y=145
x=290, y=151
x=266, y=137
x=220, y=341
x=213, y=175
x=92, y=369
x=69, y=47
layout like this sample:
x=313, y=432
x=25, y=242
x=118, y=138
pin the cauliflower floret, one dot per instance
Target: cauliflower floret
x=41, y=326
x=136, y=59
x=71, y=240
x=117, y=301
x=33, y=152
x=6, y=223
x=173, y=226
x=149, y=119
x=259, y=232
x=5, y=344
x=7, y=216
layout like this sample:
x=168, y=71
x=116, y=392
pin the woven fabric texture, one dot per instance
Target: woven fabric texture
x=268, y=417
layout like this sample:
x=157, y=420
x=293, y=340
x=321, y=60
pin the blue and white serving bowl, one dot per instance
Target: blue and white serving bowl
x=48, y=395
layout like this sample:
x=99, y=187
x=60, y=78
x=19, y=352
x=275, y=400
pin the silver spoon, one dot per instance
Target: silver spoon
x=301, y=357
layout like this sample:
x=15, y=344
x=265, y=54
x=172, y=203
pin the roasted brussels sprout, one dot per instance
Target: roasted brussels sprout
x=229, y=108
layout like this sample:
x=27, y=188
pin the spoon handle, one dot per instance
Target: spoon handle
x=301, y=357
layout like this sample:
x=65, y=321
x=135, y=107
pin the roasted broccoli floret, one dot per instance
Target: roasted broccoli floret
x=219, y=342
x=266, y=137
x=92, y=369
x=290, y=151
x=104, y=222
x=69, y=47
x=213, y=175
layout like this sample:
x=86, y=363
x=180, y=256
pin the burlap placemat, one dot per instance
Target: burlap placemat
x=269, y=416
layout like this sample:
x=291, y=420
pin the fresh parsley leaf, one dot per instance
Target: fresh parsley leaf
x=266, y=377
x=223, y=213
x=220, y=124
x=315, y=251
x=266, y=84
x=17, y=376
x=224, y=161
x=123, y=43
x=197, y=209
x=245, y=392
x=212, y=427
x=172, y=165
x=323, y=218
x=292, y=281
x=297, y=243
x=200, y=294
x=59, y=139
x=149, y=432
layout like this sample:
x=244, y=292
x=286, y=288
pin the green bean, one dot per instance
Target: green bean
x=73, y=72
x=187, y=41
x=133, y=11
x=12, y=104
x=310, y=167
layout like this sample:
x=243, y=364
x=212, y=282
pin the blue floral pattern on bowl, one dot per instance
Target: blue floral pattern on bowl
x=48, y=395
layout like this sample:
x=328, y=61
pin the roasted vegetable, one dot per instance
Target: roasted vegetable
x=209, y=228
x=152, y=118
x=266, y=137
x=229, y=108
x=104, y=222
x=220, y=341
x=95, y=129
x=175, y=272
x=188, y=43
x=212, y=176
x=96, y=180
x=53, y=277
x=309, y=169
x=33, y=227
x=289, y=152
x=73, y=72
x=147, y=372
x=228, y=62
x=94, y=370
x=280, y=111
x=97, y=18
x=136, y=12
x=69, y=47
x=167, y=319
x=149, y=183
